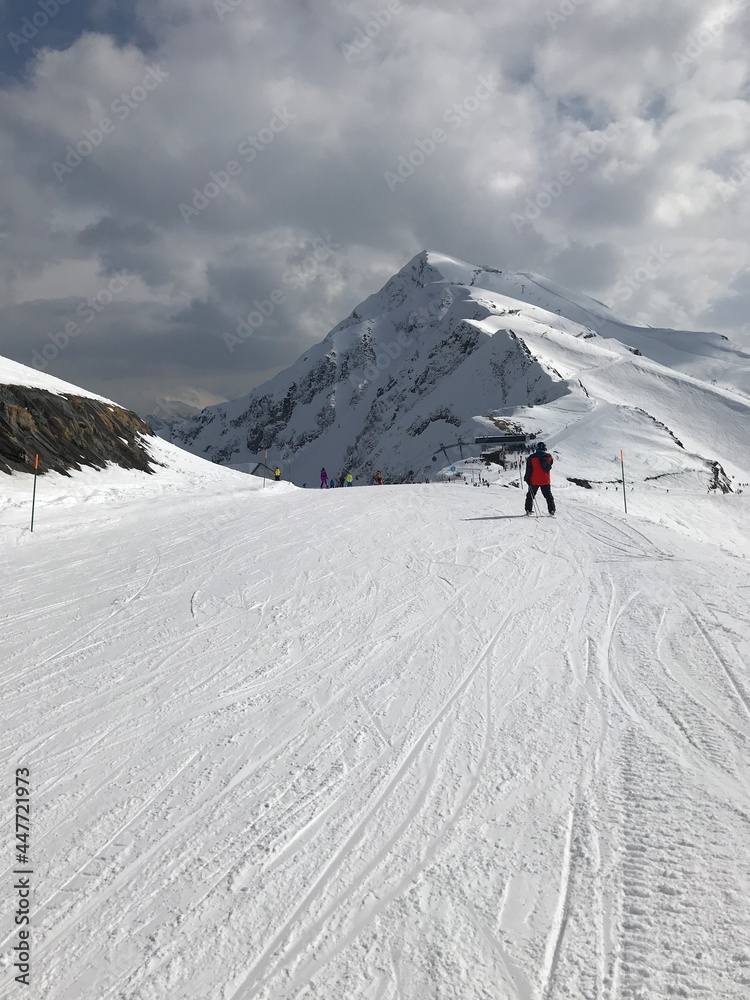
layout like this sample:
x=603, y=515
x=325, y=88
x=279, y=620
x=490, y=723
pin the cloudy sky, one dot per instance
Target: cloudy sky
x=170, y=165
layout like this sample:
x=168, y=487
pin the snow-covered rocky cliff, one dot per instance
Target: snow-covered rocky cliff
x=71, y=429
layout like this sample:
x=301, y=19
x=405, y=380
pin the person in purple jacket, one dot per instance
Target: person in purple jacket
x=323, y=479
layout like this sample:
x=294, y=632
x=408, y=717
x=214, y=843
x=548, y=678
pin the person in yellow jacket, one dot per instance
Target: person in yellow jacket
x=277, y=474
x=349, y=479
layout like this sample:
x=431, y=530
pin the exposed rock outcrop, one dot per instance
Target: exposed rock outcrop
x=67, y=431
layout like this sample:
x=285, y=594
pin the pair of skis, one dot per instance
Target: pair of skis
x=530, y=513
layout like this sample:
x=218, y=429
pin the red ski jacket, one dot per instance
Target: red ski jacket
x=538, y=467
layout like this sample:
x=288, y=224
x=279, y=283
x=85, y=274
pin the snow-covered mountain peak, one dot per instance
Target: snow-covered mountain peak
x=446, y=351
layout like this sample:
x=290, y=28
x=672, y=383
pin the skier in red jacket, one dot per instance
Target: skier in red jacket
x=537, y=477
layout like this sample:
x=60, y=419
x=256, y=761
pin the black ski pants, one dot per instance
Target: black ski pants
x=546, y=493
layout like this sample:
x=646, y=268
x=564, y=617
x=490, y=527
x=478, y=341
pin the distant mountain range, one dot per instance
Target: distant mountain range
x=179, y=405
x=447, y=351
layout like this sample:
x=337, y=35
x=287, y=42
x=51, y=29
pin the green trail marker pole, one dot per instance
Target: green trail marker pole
x=33, y=495
x=624, y=495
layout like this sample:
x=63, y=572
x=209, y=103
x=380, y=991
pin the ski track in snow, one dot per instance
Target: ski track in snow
x=387, y=744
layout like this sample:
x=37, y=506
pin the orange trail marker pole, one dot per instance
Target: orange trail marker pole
x=624, y=496
x=33, y=495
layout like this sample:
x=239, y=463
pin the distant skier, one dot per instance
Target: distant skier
x=378, y=479
x=277, y=474
x=323, y=479
x=349, y=478
x=537, y=477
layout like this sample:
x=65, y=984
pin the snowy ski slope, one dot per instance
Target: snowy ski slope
x=393, y=743
x=14, y=373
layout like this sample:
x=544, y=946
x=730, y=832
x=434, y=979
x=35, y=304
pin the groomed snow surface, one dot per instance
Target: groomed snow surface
x=393, y=743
